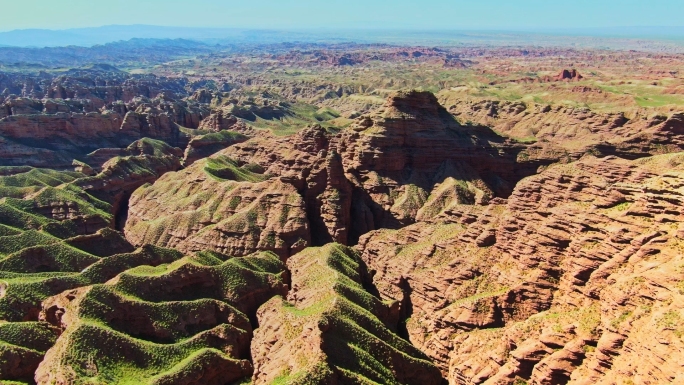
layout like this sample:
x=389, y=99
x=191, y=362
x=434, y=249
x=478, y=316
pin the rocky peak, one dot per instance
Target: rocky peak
x=415, y=103
x=675, y=124
x=311, y=139
x=406, y=113
x=569, y=75
x=202, y=96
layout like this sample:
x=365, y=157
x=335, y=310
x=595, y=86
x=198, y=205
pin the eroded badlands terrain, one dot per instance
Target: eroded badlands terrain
x=286, y=220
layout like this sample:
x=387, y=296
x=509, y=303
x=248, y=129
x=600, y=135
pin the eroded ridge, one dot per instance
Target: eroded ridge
x=579, y=267
x=186, y=322
x=220, y=205
x=55, y=237
x=331, y=329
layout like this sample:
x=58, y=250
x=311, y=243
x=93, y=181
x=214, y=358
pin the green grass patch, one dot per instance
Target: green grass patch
x=224, y=168
x=358, y=345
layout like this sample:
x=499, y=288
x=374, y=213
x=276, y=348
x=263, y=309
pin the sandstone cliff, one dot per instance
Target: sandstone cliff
x=79, y=115
x=574, y=131
x=559, y=285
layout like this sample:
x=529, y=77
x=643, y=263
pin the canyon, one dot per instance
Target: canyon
x=226, y=221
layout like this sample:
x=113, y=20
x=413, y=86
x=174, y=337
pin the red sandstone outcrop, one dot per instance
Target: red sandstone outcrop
x=223, y=119
x=52, y=131
x=411, y=160
x=217, y=205
x=305, y=162
x=579, y=270
x=569, y=75
x=143, y=162
x=202, y=146
x=142, y=147
x=396, y=157
x=500, y=275
x=205, y=339
x=99, y=86
x=576, y=131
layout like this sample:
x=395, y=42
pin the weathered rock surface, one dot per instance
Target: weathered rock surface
x=305, y=162
x=398, y=156
x=143, y=162
x=140, y=148
x=23, y=347
x=54, y=237
x=384, y=169
x=569, y=75
x=411, y=161
x=572, y=131
x=479, y=258
x=331, y=331
x=580, y=267
x=81, y=115
x=102, y=85
x=218, y=205
x=206, y=145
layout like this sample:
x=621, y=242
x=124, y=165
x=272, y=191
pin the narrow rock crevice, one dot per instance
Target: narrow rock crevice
x=406, y=309
x=121, y=211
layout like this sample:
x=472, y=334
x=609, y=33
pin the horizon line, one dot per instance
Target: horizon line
x=325, y=28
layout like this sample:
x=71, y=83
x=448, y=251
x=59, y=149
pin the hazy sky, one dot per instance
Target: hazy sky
x=420, y=14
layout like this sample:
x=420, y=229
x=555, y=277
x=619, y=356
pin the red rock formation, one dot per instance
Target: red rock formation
x=332, y=332
x=567, y=75
x=397, y=156
x=202, y=146
x=206, y=338
x=51, y=134
x=579, y=271
x=385, y=170
x=216, y=205
x=318, y=175
x=577, y=131
x=219, y=120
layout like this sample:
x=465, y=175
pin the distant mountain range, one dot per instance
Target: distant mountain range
x=87, y=37
x=120, y=53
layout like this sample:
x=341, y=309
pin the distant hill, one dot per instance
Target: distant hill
x=123, y=45
x=119, y=53
x=88, y=37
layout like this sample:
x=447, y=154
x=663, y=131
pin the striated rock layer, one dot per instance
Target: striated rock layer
x=330, y=330
x=574, y=131
x=396, y=157
x=567, y=282
x=305, y=162
x=37, y=136
x=54, y=237
x=186, y=323
x=216, y=204
x=382, y=170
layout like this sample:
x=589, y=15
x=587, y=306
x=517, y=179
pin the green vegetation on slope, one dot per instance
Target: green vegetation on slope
x=300, y=115
x=168, y=324
x=53, y=238
x=223, y=168
x=355, y=326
